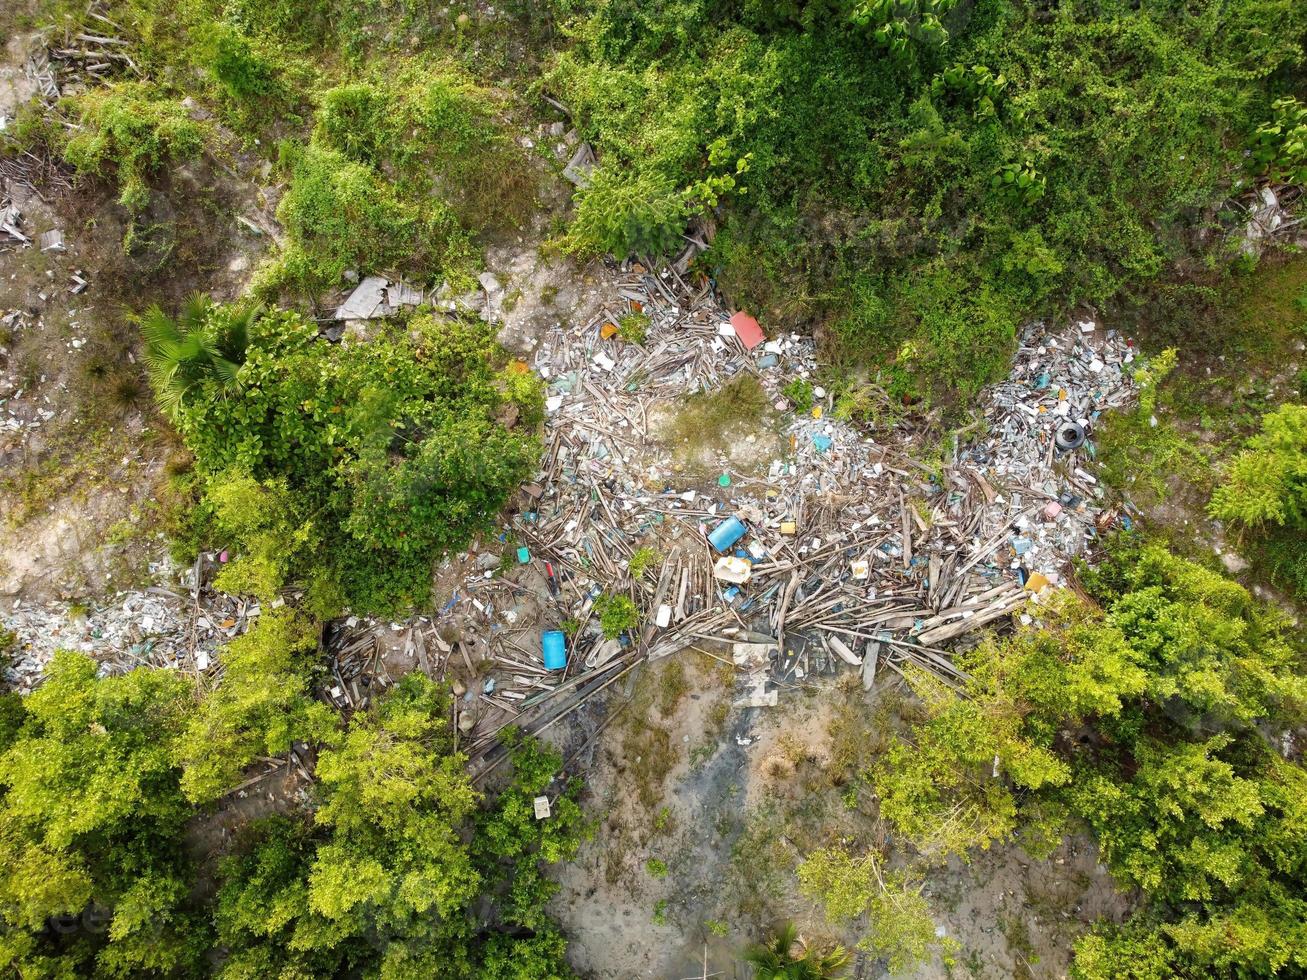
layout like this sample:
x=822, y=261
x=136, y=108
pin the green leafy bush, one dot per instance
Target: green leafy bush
x=623, y=215
x=617, y=614
x=129, y=131
x=1019, y=183
x=272, y=539
x=391, y=452
x=355, y=119
x=798, y=391
x=899, y=924
x=514, y=958
x=237, y=65
x=900, y=25
x=1181, y=684
x=399, y=867
x=975, y=83
x=511, y=846
x=942, y=330
x=633, y=327
x=1279, y=147
x=645, y=558
x=1267, y=482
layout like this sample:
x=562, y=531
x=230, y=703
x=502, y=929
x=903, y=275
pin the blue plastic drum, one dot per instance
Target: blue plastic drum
x=727, y=533
x=554, y=645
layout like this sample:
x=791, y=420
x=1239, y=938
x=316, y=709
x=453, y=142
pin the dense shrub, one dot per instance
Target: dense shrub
x=350, y=468
x=340, y=214
x=259, y=708
x=511, y=846
x=617, y=614
x=95, y=880
x=398, y=867
x=238, y=66
x=899, y=927
x=992, y=147
x=402, y=174
x=1179, y=687
x=1267, y=482
x=129, y=131
x=382, y=881
x=644, y=216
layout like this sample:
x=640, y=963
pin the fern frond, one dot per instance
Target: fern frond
x=194, y=312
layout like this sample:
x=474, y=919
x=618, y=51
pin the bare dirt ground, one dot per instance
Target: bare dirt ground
x=705, y=809
x=82, y=451
x=76, y=442
x=537, y=293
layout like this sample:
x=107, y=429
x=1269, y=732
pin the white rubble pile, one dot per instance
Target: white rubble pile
x=155, y=626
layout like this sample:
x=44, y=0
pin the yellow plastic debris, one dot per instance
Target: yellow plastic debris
x=1037, y=582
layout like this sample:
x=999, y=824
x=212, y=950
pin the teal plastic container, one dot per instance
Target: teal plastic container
x=554, y=646
x=727, y=533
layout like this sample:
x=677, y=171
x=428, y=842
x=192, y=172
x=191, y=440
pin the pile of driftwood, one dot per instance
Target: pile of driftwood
x=86, y=56
x=857, y=555
x=59, y=63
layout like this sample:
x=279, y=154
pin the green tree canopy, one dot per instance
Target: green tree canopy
x=350, y=468
x=260, y=706
x=1153, y=718
x=91, y=819
x=384, y=879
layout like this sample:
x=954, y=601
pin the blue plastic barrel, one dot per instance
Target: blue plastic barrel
x=727, y=533
x=554, y=644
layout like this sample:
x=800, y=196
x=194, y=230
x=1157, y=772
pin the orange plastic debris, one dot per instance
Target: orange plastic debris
x=747, y=329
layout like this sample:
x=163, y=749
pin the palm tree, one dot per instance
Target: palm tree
x=776, y=960
x=205, y=342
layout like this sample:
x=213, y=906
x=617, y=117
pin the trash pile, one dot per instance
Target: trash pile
x=845, y=550
x=154, y=627
x=832, y=547
x=11, y=221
